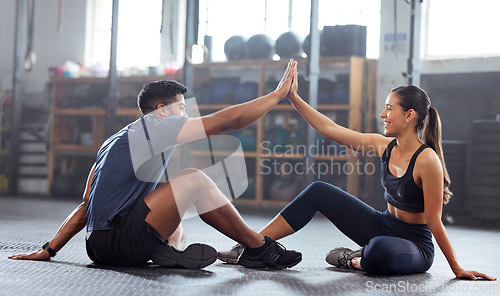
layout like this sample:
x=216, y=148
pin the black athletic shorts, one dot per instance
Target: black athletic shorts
x=130, y=241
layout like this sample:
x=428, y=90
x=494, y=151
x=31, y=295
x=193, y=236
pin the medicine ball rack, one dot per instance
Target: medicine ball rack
x=78, y=126
x=359, y=110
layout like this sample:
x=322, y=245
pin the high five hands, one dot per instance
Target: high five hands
x=285, y=84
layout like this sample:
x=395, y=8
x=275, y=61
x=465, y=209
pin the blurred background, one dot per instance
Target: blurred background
x=72, y=69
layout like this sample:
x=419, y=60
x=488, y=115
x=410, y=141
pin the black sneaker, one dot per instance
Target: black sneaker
x=274, y=256
x=195, y=256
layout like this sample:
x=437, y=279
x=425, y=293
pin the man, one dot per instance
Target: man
x=130, y=218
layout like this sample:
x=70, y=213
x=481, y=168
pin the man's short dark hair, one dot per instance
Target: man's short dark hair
x=158, y=92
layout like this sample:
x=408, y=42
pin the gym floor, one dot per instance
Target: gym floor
x=28, y=222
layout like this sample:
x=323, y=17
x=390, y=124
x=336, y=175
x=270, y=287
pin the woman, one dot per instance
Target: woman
x=399, y=240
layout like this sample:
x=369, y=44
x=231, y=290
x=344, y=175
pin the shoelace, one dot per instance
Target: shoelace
x=343, y=259
x=237, y=247
x=281, y=248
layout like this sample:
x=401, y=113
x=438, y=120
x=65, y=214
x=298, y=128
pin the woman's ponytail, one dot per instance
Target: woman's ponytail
x=428, y=125
x=431, y=134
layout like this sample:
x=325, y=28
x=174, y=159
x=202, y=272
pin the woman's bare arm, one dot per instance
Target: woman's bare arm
x=433, y=185
x=331, y=130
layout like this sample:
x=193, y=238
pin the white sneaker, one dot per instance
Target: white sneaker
x=341, y=257
x=232, y=255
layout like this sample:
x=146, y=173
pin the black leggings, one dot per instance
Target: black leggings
x=390, y=246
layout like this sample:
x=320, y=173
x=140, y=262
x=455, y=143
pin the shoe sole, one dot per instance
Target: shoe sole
x=229, y=261
x=268, y=265
x=195, y=256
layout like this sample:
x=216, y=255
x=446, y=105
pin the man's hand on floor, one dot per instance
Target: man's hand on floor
x=40, y=255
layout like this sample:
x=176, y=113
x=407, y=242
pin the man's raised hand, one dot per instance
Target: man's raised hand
x=284, y=85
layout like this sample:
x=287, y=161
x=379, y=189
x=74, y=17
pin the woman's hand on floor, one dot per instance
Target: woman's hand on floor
x=472, y=274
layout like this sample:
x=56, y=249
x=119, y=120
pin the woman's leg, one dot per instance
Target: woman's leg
x=393, y=255
x=351, y=216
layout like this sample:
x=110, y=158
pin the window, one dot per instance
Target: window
x=458, y=28
x=274, y=17
x=139, y=37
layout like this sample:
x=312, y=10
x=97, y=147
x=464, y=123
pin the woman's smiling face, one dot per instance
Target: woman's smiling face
x=393, y=115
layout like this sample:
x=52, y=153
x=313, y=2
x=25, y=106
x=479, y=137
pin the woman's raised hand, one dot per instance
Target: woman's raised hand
x=284, y=85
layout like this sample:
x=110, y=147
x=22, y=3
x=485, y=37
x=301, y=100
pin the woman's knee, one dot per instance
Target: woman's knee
x=316, y=189
x=375, y=256
x=322, y=191
x=387, y=255
x=311, y=194
x=377, y=248
x=318, y=185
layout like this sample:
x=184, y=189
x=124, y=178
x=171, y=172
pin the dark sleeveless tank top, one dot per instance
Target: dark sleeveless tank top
x=403, y=193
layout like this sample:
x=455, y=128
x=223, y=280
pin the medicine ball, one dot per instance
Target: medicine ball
x=260, y=46
x=306, y=45
x=222, y=89
x=246, y=91
x=288, y=45
x=235, y=48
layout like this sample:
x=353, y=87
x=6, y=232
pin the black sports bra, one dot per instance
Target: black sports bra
x=403, y=193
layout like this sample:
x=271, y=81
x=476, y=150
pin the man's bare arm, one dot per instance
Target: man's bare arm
x=237, y=116
x=73, y=224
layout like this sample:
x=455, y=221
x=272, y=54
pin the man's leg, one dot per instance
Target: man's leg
x=171, y=200
x=178, y=238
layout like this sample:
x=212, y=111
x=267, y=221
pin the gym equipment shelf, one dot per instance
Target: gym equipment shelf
x=221, y=153
x=301, y=156
x=360, y=110
x=278, y=107
x=79, y=116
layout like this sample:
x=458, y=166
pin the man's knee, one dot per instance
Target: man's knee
x=189, y=171
x=195, y=178
x=188, y=182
